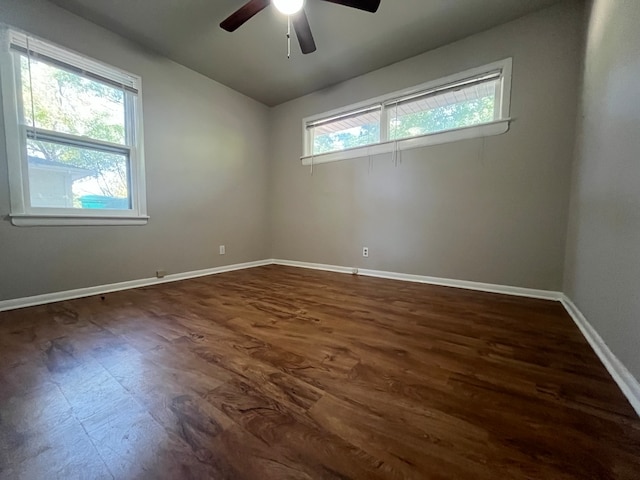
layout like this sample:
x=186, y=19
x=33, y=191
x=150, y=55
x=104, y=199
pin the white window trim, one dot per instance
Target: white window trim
x=497, y=127
x=22, y=214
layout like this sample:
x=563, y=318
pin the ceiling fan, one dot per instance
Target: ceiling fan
x=295, y=9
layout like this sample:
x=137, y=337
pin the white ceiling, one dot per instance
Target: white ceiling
x=253, y=59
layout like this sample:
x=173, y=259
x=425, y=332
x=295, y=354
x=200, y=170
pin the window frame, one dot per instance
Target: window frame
x=16, y=134
x=386, y=102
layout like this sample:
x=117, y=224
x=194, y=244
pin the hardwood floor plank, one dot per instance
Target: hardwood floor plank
x=404, y=448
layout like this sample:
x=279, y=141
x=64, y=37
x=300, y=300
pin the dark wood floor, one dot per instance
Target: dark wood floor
x=278, y=373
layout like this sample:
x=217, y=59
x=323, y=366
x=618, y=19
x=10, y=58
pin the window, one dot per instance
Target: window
x=471, y=104
x=73, y=131
x=352, y=130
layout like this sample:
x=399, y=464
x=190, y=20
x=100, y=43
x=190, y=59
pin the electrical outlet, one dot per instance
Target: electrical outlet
x=161, y=273
x=365, y=251
x=222, y=250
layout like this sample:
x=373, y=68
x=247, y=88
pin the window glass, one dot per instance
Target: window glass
x=455, y=108
x=61, y=101
x=345, y=132
x=68, y=176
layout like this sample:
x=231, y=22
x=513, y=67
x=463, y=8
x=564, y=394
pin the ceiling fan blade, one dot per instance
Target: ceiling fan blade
x=303, y=32
x=366, y=5
x=244, y=13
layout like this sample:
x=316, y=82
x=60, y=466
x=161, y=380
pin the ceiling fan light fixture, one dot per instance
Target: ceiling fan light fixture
x=289, y=7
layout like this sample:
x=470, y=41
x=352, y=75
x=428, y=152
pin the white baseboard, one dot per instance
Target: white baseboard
x=312, y=266
x=625, y=380
x=445, y=282
x=115, y=287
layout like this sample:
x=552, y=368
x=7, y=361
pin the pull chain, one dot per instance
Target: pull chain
x=33, y=108
x=288, y=36
x=395, y=136
x=395, y=148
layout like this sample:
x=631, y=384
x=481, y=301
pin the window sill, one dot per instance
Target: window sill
x=64, y=220
x=447, y=136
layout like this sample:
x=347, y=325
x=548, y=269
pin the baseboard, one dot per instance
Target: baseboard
x=312, y=266
x=445, y=282
x=626, y=381
x=115, y=287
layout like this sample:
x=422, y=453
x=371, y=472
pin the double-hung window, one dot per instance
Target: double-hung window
x=73, y=134
x=470, y=104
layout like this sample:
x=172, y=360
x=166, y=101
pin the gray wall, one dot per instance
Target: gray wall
x=206, y=164
x=224, y=169
x=492, y=210
x=603, y=249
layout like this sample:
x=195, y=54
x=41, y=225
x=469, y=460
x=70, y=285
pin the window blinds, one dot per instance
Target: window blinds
x=73, y=62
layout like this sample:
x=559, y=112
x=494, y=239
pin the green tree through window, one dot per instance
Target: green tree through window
x=457, y=115
x=355, y=137
x=57, y=100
